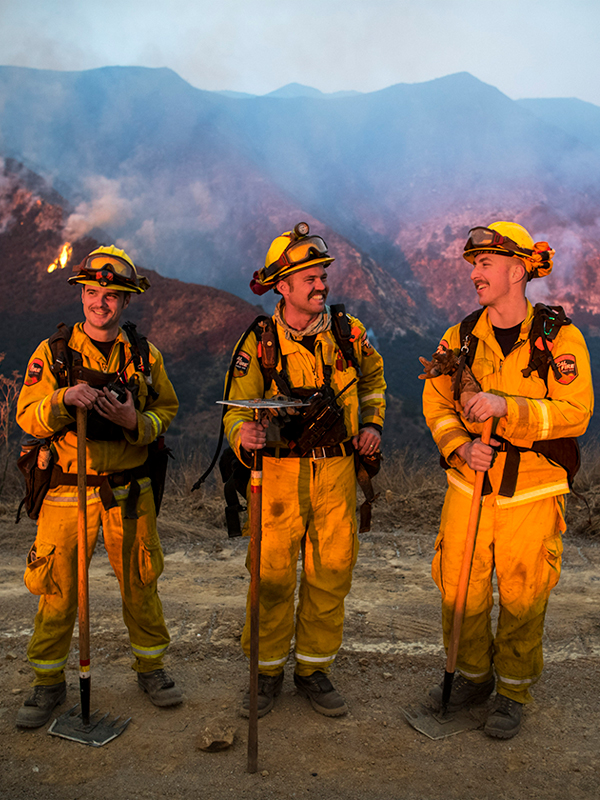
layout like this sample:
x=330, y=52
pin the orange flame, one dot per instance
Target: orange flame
x=63, y=258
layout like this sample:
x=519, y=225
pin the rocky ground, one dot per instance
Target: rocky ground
x=391, y=655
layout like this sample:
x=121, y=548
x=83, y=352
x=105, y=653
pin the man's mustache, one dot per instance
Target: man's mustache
x=322, y=292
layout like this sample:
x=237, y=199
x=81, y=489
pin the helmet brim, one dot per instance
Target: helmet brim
x=325, y=261
x=117, y=287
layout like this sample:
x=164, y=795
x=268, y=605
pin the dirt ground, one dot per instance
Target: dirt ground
x=391, y=655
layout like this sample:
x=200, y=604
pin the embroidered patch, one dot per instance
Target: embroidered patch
x=567, y=365
x=242, y=364
x=442, y=347
x=34, y=372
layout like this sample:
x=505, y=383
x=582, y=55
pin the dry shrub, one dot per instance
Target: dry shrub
x=583, y=506
x=411, y=486
x=188, y=517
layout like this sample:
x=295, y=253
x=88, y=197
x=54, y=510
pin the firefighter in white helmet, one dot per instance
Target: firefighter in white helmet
x=534, y=370
x=122, y=423
x=309, y=492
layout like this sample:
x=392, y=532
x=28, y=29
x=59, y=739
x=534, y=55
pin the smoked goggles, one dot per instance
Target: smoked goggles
x=485, y=238
x=108, y=270
x=297, y=252
x=537, y=261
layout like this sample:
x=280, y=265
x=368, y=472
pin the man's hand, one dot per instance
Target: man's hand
x=253, y=435
x=484, y=405
x=110, y=408
x=478, y=456
x=367, y=441
x=81, y=395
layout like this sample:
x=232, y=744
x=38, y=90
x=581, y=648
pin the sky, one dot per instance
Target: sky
x=525, y=48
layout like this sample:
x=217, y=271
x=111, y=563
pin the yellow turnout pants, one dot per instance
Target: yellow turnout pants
x=524, y=545
x=309, y=505
x=136, y=557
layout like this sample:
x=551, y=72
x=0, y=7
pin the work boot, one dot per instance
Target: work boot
x=269, y=687
x=464, y=693
x=161, y=688
x=323, y=697
x=37, y=709
x=504, y=720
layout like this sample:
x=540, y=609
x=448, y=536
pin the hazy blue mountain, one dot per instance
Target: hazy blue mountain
x=579, y=119
x=293, y=90
x=198, y=183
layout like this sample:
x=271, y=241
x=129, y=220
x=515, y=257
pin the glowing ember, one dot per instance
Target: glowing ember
x=63, y=258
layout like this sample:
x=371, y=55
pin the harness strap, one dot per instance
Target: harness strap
x=106, y=484
x=331, y=451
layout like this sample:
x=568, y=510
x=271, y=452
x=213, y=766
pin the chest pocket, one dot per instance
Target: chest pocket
x=484, y=370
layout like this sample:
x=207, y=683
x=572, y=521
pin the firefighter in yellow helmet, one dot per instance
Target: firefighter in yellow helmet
x=309, y=486
x=130, y=403
x=534, y=370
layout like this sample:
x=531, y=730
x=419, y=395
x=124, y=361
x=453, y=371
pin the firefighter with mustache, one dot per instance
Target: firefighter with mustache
x=120, y=379
x=534, y=370
x=309, y=494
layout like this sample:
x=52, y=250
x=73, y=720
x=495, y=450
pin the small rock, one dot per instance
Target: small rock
x=215, y=735
x=10, y=656
x=35, y=769
x=387, y=675
x=265, y=773
x=16, y=691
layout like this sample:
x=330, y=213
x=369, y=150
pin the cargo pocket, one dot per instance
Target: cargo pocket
x=436, y=565
x=38, y=572
x=151, y=564
x=552, y=552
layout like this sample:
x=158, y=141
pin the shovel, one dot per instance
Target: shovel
x=83, y=727
x=257, y=406
x=437, y=725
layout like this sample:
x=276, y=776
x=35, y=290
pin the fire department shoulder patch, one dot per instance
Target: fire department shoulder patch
x=567, y=365
x=242, y=364
x=34, y=372
x=442, y=347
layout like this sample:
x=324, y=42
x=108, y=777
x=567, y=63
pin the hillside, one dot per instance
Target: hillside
x=200, y=182
x=195, y=326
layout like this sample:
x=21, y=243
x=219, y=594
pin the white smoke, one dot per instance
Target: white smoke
x=107, y=207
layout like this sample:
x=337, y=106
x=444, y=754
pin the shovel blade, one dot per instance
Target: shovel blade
x=437, y=725
x=97, y=732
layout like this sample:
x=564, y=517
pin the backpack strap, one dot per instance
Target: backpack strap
x=254, y=327
x=547, y=322
x=468, y=346
x=62, y=354
x=342, y=334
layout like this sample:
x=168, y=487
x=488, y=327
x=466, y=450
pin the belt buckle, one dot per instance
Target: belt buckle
x=315, y=450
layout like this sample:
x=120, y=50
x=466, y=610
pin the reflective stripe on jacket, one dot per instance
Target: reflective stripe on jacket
x=535, y=412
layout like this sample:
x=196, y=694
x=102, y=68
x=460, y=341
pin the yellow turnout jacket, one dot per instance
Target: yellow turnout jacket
x=41, y=410
x=535, y=412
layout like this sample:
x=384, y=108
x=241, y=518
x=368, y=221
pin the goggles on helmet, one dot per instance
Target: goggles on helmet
x=298, y=252
x=109, y=270
x=483, y=238
x=101, y=264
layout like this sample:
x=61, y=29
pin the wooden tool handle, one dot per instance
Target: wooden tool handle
x=255, y=546
x=465, y=569
x=82, y=566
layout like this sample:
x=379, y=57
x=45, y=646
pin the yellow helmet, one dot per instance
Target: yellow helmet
x=109, y=266
x=510, y=239
x=291, y=252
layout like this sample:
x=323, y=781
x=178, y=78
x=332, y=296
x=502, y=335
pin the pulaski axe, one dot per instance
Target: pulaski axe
x=259, y=406
x=84, y=727
x=439, y=724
